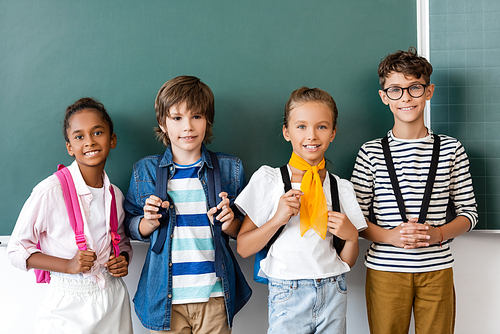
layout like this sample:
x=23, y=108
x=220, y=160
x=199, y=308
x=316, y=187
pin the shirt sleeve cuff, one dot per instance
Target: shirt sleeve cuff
x=133, y=227
x=21, y=259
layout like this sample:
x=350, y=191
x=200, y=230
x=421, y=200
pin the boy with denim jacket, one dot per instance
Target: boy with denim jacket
x=410, y=265
x=179, y=287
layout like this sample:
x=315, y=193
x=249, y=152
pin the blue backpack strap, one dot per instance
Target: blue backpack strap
x=214, y=189
x=161, y=192
x=262, y=254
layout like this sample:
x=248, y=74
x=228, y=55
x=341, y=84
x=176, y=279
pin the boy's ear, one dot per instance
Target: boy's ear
x=162, y=128
x=70, y=149
x=384, y=97
x=429, y=92
x=285, y=133
x=113, y=141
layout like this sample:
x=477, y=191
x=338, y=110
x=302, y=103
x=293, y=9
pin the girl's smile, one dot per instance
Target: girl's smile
x=90, y=139
x=311, y=148
x=91, y=153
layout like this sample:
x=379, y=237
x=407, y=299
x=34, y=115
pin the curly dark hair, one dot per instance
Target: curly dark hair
x=407, y=62
x=85, y=103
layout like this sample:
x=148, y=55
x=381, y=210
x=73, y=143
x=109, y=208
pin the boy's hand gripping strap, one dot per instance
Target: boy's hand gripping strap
x=428, y=186
x=214, y=189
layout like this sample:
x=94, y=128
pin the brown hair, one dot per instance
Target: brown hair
x=408, y=63
x=198, y=97
x=304, y=95
x=81, y=104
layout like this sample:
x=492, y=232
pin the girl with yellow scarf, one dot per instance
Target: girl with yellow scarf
x=306, y=274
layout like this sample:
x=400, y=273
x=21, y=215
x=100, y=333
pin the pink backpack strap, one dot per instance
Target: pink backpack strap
x=113, y=223
x=74, y=215
x=72, y=205
x=76, y=220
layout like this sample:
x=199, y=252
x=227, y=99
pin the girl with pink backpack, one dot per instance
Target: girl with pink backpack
x=71, y=230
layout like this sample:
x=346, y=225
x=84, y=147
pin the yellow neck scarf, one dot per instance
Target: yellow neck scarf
x=313, y=209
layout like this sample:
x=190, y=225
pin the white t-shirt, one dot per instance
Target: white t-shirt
x=97, y=219
x=292, y=256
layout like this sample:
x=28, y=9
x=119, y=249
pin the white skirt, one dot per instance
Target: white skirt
x=80, y=306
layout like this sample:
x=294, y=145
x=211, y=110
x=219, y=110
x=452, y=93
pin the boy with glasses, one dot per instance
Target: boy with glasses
x=410, y=262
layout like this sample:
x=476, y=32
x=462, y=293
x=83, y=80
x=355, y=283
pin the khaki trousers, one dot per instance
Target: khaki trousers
x=199, y=318
x=391, y=297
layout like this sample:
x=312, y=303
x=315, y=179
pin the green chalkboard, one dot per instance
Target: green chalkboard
x=252, y=54
x=465, y=49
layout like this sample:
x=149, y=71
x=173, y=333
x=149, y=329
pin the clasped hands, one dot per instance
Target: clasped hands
x=412, y=234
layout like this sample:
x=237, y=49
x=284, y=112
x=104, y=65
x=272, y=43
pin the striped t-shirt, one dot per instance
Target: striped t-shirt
x=193, y=269
x=412, y=160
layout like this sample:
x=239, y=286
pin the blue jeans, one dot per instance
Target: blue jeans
x=307, y=305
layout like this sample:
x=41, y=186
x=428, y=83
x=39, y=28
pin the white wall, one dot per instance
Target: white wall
x=477, y=286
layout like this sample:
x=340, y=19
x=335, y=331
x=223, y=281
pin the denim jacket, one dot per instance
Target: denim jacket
x=153, y=298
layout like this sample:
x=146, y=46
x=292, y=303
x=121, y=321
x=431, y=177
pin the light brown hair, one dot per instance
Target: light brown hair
x=304, y=95
x=191, y=90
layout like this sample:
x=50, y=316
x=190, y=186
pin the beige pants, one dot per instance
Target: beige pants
x=391, y=297
x=199, y=318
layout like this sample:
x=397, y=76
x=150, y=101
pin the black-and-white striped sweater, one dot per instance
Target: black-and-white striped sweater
x=412, y=161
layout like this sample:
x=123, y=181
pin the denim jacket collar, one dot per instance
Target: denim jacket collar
x=168, y=160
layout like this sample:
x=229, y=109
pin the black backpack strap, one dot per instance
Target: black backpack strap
x=430, y=179
x=214, y=189
x=338, y=243
x=161, y=192
x=288, y=185
x=394, y=178
x=428, y=186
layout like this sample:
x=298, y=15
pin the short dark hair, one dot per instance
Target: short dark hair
x=408, y=63
x=197, y=96
x=304, y=95
x=85, y=103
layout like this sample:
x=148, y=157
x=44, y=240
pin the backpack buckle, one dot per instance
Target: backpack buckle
x=115, y=238
x=81, y=242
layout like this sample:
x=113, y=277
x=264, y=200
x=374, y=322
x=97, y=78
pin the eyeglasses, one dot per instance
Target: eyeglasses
x=395, y=92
